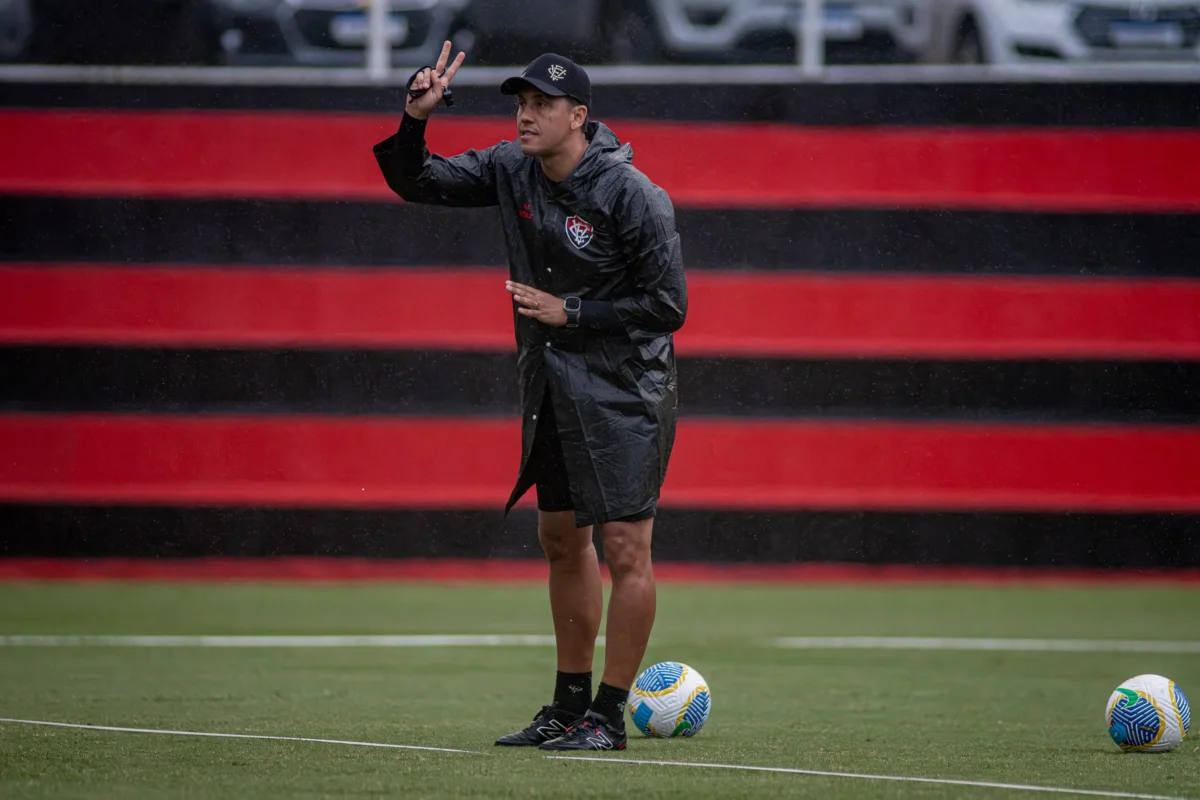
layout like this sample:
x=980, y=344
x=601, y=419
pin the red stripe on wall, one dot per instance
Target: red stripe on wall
x=749, y=314
x=472, y=463
x=327, y=156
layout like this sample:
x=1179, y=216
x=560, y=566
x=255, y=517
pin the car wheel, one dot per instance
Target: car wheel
x=630, y=36
x=968, y=45
x=198, y=44
x=16, y=33
x=463, y=37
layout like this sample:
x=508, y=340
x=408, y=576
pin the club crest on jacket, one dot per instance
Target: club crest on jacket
x=579, y=231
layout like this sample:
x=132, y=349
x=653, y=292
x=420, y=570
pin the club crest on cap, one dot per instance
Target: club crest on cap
x=557, y=72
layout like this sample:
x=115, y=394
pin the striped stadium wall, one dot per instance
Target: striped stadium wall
x=929, y=325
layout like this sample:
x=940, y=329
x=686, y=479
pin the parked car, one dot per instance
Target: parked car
x=318, y=32
x=698, y=31
x=511, y=32
x=16, y=29
x=856, y=31
x=111, y=32
x=1030, y=31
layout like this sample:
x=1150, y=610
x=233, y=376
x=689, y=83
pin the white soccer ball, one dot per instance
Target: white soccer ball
x=669, y=699
x=1148, y=713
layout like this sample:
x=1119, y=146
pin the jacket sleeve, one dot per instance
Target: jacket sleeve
x=466, y=180
x=645, y=223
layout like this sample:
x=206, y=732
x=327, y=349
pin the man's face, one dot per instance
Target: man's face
x=544, y=123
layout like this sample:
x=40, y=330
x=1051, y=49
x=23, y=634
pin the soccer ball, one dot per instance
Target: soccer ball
x=668, y=700
x=1148, y=713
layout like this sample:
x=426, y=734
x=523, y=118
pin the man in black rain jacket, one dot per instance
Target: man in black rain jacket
x=597, y=284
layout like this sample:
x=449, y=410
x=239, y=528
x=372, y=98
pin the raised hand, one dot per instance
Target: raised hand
x=436, y=80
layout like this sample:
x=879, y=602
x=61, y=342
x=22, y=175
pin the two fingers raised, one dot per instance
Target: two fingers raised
x=440, y=75
x=447, y=72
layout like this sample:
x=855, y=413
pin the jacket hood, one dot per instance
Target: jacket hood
x=604, y=152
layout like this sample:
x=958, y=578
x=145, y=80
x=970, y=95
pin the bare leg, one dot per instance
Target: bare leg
x=576, y=603
x=576, y=596
x=632, y=606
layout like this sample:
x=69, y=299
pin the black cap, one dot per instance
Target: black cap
x=555, y=76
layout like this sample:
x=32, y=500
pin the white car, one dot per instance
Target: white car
x=696, y=31
x=1038, y=31
x=739, y=30
x=317, y=32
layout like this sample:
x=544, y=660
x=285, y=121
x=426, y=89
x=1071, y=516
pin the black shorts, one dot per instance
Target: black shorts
x=549, y=471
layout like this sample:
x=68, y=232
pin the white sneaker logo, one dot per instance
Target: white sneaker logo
x=599, y=740
x=557, y=72
x=553, y=730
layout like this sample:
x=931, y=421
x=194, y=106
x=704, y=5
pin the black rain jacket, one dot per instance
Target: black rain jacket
x=607, y=235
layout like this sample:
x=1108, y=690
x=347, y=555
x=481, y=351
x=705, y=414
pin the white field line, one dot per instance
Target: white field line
x=236, y=736
x=939, y=643
x=741, y=767
x=1015, y=787
x=283, y=641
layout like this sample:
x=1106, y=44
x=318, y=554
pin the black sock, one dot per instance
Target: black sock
x=573, y=691
x=610, y=701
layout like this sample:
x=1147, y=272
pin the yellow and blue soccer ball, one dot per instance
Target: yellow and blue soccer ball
x=668, y=700
x=1148, y=713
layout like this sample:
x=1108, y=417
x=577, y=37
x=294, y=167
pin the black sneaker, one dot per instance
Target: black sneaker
x=552, y=721
x=593, y=732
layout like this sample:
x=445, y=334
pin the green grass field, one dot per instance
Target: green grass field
x=1013, y=717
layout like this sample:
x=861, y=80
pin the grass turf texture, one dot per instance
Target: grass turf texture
x=1030, y=718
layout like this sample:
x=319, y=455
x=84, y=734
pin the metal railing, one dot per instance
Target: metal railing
x=612, y=76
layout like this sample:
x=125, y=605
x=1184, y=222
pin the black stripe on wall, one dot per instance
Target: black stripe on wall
x=1026, y=540
x=1133, y=104
x=441, y=382
x=380, y=234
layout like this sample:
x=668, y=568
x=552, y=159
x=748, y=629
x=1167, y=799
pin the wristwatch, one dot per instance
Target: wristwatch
x=572, y=305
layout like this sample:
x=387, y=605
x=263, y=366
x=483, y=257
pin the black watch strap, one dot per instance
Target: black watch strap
x=572, y=305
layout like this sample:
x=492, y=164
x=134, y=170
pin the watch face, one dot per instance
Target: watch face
x=572, y=304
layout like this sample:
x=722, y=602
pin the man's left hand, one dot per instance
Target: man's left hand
x=538, y=304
